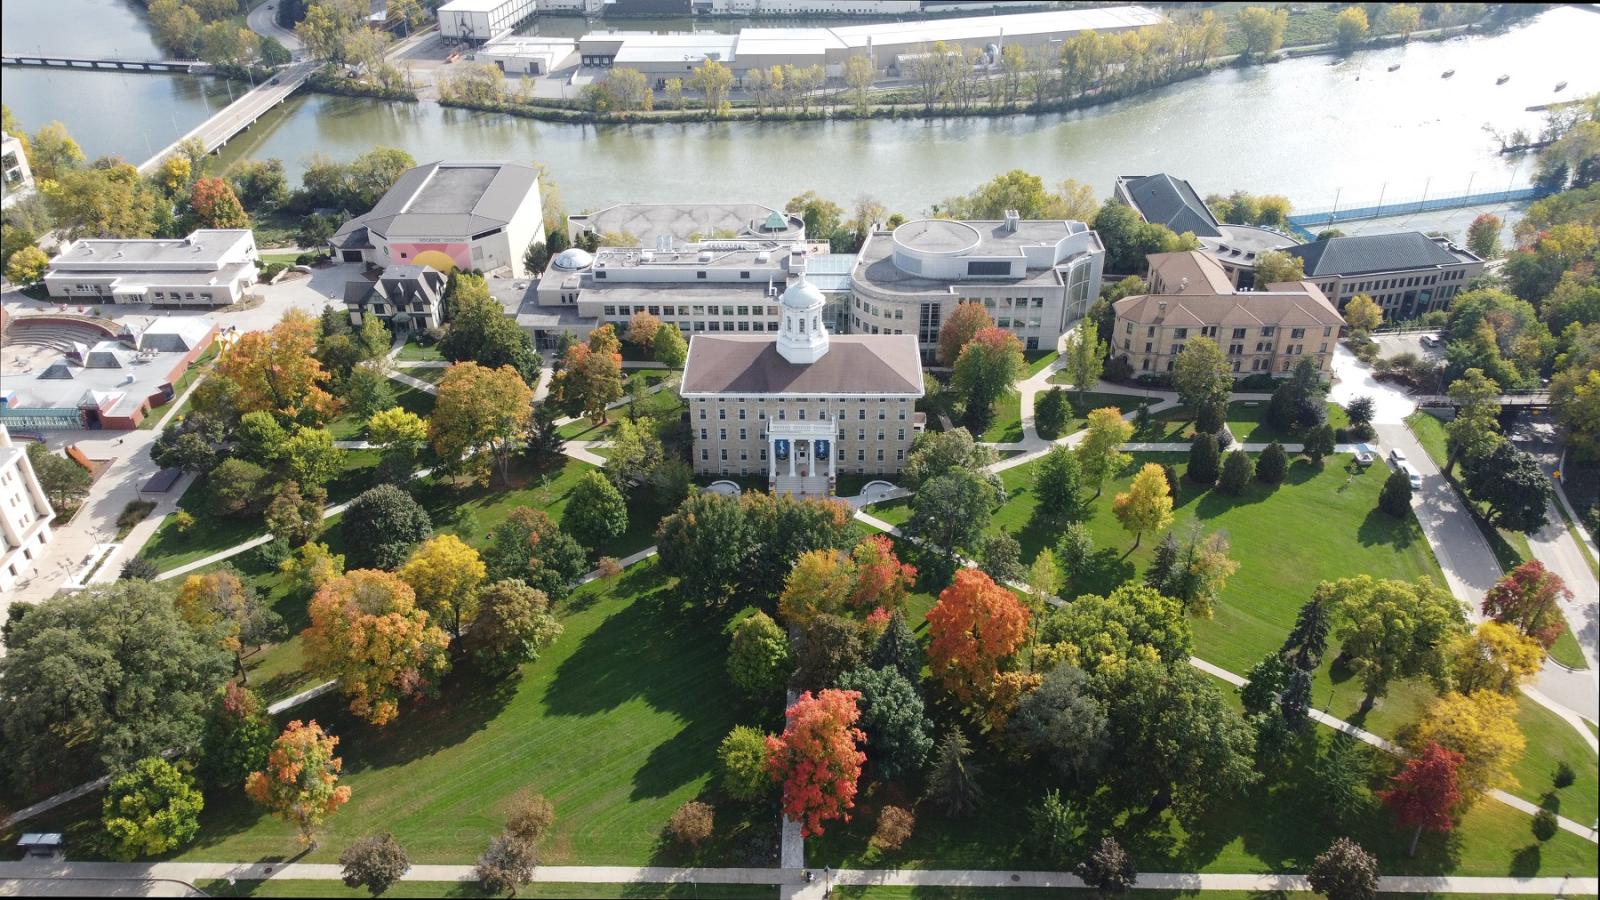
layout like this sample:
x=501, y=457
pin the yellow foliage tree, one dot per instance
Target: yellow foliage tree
x=445, y=573
x=820, y=582
x=1495, y=657
x=1147, y=504
x=367, y=632
x=478, y=414
x=1482, y=727
x=1363, y=314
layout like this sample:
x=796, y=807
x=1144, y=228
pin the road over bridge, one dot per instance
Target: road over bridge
x=241, y=113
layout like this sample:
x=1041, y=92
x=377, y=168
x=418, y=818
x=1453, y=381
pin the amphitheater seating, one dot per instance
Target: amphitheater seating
x=57, y=334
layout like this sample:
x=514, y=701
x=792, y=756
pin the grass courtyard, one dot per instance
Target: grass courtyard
x=1320, y=524
x=617, y=724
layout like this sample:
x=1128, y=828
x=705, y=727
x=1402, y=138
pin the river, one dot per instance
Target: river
x=1306, y=128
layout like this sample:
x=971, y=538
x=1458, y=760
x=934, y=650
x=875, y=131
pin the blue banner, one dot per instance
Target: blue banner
x=822, y=449
x=781, y=448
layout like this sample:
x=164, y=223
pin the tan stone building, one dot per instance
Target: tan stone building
x=802, y=406
x=1192, y=296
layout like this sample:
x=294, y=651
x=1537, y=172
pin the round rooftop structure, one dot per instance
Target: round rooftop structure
x=573, y=258
x=803, y=295
x=935, y=237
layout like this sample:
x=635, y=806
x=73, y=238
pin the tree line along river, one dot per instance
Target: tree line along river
x=1313, y=128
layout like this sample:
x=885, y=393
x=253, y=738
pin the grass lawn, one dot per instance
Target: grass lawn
x=1246, y=419
x=412, y=350
x=281, y=888
x=1551, y=740
x=414, y=400
x=1039, y=360
x=664, y=406
x=472, y=511
x=1093, y=400
x=212, y=533
x=1265, y=829
x=617, y=724
x=1006, y=426
x=431, y=374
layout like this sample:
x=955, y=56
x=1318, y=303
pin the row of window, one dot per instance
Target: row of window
x=1210, y=331
x=158, y=296
x=783, y=415
x=696, y=309
x=1256, y=365
x=744, y=435
x=744, y=455
x=1385, y=284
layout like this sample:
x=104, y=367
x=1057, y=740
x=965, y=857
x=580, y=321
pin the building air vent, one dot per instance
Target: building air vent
x=1013, y=219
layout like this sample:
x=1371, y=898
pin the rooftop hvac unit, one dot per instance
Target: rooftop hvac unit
x=647, y=256
x=763, y=256
x=705, y=256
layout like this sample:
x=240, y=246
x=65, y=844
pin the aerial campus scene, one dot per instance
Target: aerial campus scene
x=799, y=448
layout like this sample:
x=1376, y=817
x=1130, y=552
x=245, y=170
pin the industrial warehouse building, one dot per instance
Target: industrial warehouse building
x=673, y=55
x=481, y=21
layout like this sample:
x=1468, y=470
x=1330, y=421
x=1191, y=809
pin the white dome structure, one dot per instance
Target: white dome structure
x=573, y=259
x=802, y=339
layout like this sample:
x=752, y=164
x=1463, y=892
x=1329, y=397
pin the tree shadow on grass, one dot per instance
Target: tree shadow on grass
x=1381, y=529
x=1102, y=572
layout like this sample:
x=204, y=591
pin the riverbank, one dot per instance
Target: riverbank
x=902, y=103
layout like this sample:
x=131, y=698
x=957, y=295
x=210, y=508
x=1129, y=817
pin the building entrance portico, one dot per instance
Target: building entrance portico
x=802, y=457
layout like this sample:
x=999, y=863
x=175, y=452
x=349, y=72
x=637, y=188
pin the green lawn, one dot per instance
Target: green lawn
x=1006, y=426
x=665, y=406
x=1268, y=828
x=415, y=351
x=578, y=891
x=617, y=724
x=431, y=374
x=1551, y=740
x=1039, y=360
x=1246, y=419
x=472, y=511
x=211, y=533
x=1093, y=400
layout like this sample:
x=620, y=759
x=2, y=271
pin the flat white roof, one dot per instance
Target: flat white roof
x=674, y=47
x=983, y=28
x=476, y=5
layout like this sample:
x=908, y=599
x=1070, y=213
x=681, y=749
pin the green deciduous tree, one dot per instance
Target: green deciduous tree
x=1513, y=486
x=1392, y=629
x=151, y=809
x=742, y=758
x=1395, y=498
x=704, y=543
x=237, y=737
x=759, y=662
x=1100, y=453
x=382, y=525
x=988, y=366
x=1237, y=470
x=1051, y=412
x=1204, y=459
x=513, y=625
x=1345, y=871
x=1201, y=374
x=596, y=512
x=1262, y=29
x=1273, y=464
x=899, y=734
x=101, y=678
x=1350, y=28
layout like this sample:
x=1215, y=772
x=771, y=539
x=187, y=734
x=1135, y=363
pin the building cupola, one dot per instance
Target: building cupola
x=802, y=339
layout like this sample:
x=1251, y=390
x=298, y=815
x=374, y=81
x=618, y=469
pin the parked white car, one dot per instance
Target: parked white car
x=1397, y=458
x=1411, y=475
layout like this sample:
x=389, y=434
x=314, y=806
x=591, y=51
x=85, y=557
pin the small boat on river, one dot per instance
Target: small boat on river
x=1502, y=79
x=1393, y=67
x=1448, y=73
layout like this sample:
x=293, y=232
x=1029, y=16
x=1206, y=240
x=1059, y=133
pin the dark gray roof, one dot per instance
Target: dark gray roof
x=447, y=198
x=870, y=364
x=1360, y=254
x=358, y=292
x=1171, y=202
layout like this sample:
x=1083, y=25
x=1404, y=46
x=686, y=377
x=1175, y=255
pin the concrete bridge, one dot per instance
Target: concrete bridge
x=102, y=63
x=1510, y=400
x=241, y=113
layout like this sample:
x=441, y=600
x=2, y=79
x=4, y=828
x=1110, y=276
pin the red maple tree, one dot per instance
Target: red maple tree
x=1425, y=794
x=975, y=625
x=817, y=760
x=1528, y=598
x=882, y=580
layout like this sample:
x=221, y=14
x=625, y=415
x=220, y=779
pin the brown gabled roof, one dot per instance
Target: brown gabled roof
x=869, y=364
x=1290, y=303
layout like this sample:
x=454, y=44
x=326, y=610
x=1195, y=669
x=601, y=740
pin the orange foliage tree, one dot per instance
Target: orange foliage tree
x=367, y=632
x=216, y=206
x=882, y=580
x=817, y=758
x=975, y=626
x=276, y=371
x=301, y=781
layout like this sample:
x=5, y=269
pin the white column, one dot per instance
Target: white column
x=833, y=456
x=794, y=450
x=772, y=457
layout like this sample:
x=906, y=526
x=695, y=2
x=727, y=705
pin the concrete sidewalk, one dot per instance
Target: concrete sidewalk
x=12, y=872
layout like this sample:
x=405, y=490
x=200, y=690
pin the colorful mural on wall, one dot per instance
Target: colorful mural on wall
x=441, y=256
